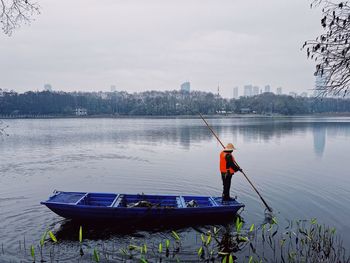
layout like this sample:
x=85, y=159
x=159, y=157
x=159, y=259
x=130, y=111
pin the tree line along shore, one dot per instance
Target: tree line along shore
x=160, y=103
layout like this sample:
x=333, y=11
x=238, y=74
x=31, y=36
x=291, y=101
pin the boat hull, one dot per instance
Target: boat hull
x=168, y=208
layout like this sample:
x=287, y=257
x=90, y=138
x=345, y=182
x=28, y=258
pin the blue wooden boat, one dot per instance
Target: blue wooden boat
x=130, y=207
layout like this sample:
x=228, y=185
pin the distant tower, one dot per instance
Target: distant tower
x=186, y=87
x=113, y=88
x=218, y=90
x=48, y=87
x=279, y=91
x=267, y=88
x=235, y=92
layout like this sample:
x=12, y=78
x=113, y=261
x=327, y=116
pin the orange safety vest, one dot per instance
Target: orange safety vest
x=223, y=168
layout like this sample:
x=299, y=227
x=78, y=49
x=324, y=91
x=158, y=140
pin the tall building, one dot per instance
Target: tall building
x=248, y=90
x=320, y=84
x=186, y=86
x=113, y=88
x=255, y=90
x=48, y=87
x=267, y=88
x=303, y=94
x=235, y=93
x=279, y=91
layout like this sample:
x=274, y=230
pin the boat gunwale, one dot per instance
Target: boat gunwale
x=214, y=206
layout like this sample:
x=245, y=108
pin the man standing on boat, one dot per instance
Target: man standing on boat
x=228, y=167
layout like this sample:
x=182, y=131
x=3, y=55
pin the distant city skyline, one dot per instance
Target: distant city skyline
x=236, y=92
x=252, y=90
x=246, y=90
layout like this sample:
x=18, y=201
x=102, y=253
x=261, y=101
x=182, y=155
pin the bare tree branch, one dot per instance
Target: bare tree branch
x=330, y=50
x=14, y=13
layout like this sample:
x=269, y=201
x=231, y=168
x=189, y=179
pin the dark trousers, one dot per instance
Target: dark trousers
x=226, y=181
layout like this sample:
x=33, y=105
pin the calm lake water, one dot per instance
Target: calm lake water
x=301, y=166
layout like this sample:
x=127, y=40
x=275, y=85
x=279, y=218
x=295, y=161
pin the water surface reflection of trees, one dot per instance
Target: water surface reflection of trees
x=183, y=132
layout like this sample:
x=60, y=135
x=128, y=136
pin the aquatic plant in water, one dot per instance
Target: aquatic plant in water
x=299, y=241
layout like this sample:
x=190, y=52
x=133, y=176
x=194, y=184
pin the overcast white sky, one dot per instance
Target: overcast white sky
x=158, y=44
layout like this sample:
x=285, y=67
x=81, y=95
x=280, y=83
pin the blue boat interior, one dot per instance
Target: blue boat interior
x=130, y=200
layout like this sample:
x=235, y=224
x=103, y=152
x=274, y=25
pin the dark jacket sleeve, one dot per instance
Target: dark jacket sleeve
x=230, y=163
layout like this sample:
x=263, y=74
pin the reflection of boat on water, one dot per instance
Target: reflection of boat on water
x=140, y=208
x=99, y=230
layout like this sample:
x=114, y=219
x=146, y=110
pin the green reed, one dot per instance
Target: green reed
x=299, y=241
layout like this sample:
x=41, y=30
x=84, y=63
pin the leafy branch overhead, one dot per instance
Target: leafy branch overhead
x=14, y=13
x=331, y=49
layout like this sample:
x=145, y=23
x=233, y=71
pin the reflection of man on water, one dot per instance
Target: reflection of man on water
x=228, y=167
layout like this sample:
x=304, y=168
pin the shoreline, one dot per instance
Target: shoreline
x=211, y=116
